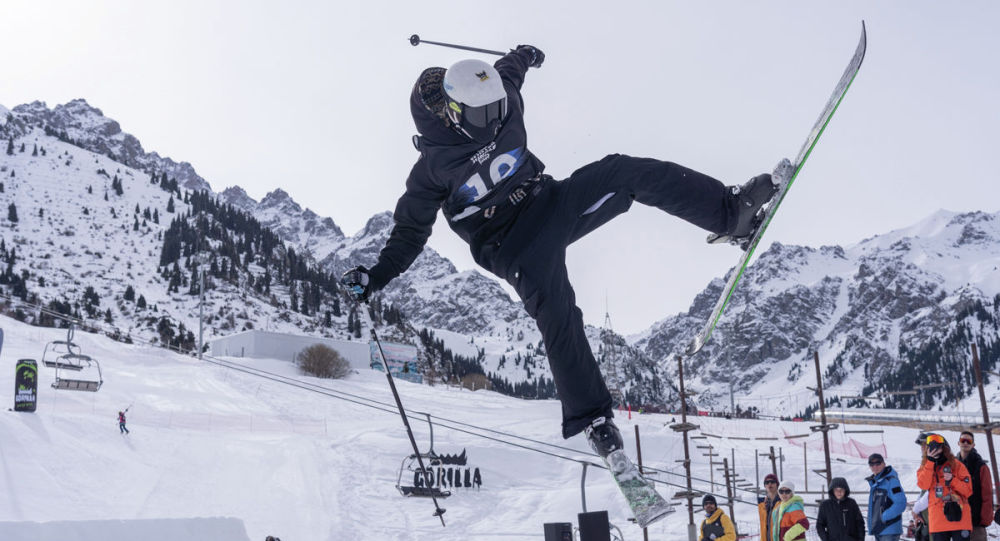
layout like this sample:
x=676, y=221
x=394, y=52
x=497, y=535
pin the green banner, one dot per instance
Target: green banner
x=26, y=385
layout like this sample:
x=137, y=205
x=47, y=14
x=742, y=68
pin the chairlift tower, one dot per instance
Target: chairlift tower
x=610, y=360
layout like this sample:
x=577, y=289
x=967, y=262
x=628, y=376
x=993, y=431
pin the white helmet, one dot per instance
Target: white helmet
x=477, y=100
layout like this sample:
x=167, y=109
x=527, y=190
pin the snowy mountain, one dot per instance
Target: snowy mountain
x=891, y=312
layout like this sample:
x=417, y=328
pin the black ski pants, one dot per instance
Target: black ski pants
x=531, y=256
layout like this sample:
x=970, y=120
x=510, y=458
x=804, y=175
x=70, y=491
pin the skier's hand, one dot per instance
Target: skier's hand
x=535, y=56
x=357, y=283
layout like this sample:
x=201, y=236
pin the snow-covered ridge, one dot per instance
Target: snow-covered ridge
x=886, y=314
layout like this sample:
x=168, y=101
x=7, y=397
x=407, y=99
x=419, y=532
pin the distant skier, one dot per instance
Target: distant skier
x=121, y=422
x=475, y=166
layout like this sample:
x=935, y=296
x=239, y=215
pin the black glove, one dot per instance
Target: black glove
x=535, y=55
x=358, y=283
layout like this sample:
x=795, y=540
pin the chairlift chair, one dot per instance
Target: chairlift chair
x=78, y=362
x=54, y=353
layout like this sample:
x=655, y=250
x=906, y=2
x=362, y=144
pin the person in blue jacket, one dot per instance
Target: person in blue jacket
x=886, y=501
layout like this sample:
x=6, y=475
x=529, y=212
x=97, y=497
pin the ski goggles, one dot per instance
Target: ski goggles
x=479, y=116
x=966, y=439
x=934, y=438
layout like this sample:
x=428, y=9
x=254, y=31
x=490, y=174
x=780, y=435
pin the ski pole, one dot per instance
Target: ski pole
x=415, y=40
x=438, y=511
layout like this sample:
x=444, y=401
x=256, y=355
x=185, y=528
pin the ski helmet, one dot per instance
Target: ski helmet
x=476, y=99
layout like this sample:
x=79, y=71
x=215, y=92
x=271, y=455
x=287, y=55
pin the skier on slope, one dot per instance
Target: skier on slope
x=121, y=422
x=475, y=166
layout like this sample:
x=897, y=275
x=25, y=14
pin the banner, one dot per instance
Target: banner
x=401, y=358
x=26, y=385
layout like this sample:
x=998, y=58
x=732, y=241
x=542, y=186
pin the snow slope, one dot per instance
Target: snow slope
x=208, y=441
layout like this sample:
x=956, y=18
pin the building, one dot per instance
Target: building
x=402, y=358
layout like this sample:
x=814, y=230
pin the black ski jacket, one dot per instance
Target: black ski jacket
x=840, y=520
x=472, y=183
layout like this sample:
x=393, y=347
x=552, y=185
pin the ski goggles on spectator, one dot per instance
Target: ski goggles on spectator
x=965, y=439
x=770, y=482
x=935, y=438
x=875, y=463
x=784, y=491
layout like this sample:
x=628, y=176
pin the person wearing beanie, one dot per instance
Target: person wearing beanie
x=981, y=501
x=840, y=518
x=716, y=526
x=949, y=487
x=788, y=518
x=886, y=501
x=765, y=504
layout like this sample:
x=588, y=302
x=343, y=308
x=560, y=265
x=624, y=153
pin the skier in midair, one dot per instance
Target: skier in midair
x=476, y=167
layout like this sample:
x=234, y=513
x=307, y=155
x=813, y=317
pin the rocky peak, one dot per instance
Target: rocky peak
x=238, y=197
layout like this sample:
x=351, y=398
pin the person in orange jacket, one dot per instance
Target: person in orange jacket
x=949, y=487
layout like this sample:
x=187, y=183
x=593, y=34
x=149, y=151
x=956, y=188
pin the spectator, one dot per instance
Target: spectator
x=788, y=519
x=886, y=501
x=981, y=501
x=918, y=526
x=765, y=504
x=840, y=518
x=949, y=487
x=716, y=526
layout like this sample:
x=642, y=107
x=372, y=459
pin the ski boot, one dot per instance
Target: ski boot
x=750, y=199
x=603, y=436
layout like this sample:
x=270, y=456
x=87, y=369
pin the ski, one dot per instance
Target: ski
x=646, y=504
x=785, y=174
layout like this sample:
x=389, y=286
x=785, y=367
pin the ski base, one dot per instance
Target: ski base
x=646, y=504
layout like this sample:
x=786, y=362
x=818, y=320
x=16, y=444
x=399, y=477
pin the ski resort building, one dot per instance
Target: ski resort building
x=402, y=358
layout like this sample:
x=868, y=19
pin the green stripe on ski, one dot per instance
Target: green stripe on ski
x=702, y=338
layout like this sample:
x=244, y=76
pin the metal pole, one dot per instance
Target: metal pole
x=687, y=454
x=438, y=511
x=201, y=315
x=774, y=465
x=986, y=421
x=415, y=40
x=822, y=417
x=781, y=461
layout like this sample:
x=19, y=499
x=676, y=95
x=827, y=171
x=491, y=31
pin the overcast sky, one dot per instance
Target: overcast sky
x=311, y=97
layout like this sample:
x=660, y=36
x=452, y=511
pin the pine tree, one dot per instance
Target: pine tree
x=10, y=146
x=141, y=303
x=35, y=151
x=129, y=293
x=156, y=216
x=12, y=213
x=22, y=148
x=170, y=204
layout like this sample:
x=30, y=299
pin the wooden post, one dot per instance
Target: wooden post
x=822, y=420
x=638, y=454
x=687, y=455
x=987, y=427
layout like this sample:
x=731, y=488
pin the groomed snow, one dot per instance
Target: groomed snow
x=209, y=442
